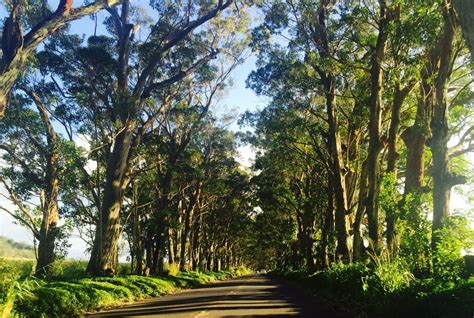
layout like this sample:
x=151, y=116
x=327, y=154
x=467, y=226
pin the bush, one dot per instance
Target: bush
x=389, y=276
x=172, y=269
x=73, y=298
x=387, y=289
x=452, y=238
x=13, y=281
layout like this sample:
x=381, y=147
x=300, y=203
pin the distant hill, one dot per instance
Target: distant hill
x=10, y=248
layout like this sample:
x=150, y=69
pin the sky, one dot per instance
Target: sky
x=238, y=99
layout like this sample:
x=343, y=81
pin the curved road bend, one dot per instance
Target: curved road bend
x=247, y=296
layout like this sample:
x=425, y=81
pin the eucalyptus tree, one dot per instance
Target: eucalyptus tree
x=37, y=161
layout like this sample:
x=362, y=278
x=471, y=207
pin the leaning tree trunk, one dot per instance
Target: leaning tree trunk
x=18, y=47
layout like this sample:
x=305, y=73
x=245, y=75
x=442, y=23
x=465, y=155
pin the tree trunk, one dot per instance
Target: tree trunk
x=391, y=215
x=9, y=72
x=334, y=143
x=149, y=250
x=171, y=249
x=105, y=250
x=375, y=127
x=358, y=244
x=442, y=178
x=49, y=196
x=338, y=181
x=48, y=230
x=21, y=46
x=328, y=228
x=189, y=212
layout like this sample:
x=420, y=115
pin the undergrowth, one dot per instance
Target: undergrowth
x=386, y=289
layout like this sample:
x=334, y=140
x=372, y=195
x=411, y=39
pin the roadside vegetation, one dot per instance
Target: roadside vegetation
x=388, y=290
x=69, y=292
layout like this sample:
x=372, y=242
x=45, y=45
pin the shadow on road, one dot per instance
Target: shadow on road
x=251, y=297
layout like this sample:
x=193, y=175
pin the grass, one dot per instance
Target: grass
x=70, y=294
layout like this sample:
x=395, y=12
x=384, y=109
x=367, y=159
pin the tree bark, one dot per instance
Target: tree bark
x=375, y=126
x=391, y=215
x=358, y=244
x=105, y=250
x=442, y=177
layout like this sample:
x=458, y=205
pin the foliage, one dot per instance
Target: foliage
x=455, y=236
x=172, y=269
x=372, y=292
x=415, y=234
x=14, y=281
x=389, y=276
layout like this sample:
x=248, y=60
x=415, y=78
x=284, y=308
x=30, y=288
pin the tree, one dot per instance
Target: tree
x=37, y=160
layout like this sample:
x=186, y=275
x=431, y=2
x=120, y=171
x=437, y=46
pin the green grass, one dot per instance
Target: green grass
x=70, y=293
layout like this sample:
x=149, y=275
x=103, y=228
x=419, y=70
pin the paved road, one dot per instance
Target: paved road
x=248, y=296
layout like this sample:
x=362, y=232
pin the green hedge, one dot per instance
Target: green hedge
x=75, y=297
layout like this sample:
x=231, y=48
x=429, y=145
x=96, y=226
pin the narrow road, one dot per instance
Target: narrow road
x=248, y=296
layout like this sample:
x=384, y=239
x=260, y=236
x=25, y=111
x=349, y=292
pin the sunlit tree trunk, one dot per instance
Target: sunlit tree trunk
x=104, y=253
x=443, y=179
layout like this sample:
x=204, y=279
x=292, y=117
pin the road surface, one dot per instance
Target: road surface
x=248, y=296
